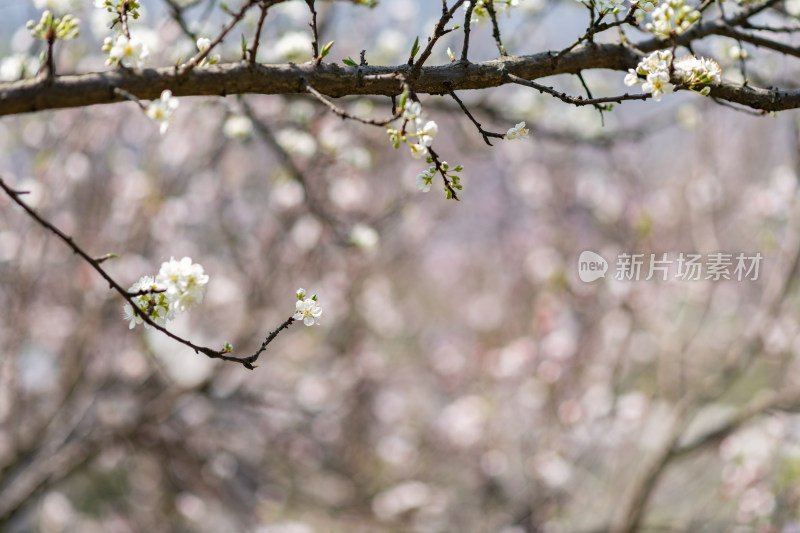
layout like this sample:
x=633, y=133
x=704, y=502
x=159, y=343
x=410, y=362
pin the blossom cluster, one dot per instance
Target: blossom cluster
x=178, y=285
x=423, y=130
x=480, y=13
x=671, y=18
x=698, y=71
x=690, y=70
x=123, y=49
x=203, y=44
x=307, y=309
x=115, y=6
x=605, y=7
x=52, y=27
x=127, y=50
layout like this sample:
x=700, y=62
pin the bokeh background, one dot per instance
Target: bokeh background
x=463, y=378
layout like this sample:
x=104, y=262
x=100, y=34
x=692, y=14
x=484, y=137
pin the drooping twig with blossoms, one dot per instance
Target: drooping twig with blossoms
x=154, y=300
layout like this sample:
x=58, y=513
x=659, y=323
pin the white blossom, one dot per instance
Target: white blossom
x=58, y=6
x=427, y=133
x=520, y=131
x=694, y=70
x=237, y=127
x=161, y=110
x=130, y=53
x=157, y=305
x=418, y=150
x=672, y=17
x=631, y=78
x=696, y=73
x=297, y=142
x=307, y=309
x=18, y=66
x=658, y=85
x=412, y=110
x=480, y=13
x=184, y=281
x=425, y=179
x=645, y=5
x=364, y=236
x=608, y=6
x=203, y=44
x=294, y=46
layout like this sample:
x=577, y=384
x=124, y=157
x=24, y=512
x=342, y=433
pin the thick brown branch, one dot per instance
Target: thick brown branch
x=333, y=80
x=330, y=79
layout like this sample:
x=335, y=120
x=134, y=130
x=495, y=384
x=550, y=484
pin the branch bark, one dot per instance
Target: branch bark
x=332, y=80
x=68, y=91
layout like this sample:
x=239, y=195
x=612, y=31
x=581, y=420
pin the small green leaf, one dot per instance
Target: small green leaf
x=415, y=48
x=244, y=45
x=349, y=62
x=403, y=99
x=326, y=49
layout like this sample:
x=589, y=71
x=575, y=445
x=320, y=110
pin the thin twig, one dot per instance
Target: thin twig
x=129, y=96
x=316, y=207
x=630, y=510
x=744, y=110
x=176, y=13
x=114, y=285
x=257, y=38
x=495, y=27
x=123, y=19
x=467, y=20
x=485, y=134
x=50, y=62
x=314, y=33
x=438, y=32
x=187, y=67
x=447, y=183
x=575, y=100
x=594, y=28
x=600, y=108
x=344, y=114
x=785, y=400
x=777, y=29
x=248, y=361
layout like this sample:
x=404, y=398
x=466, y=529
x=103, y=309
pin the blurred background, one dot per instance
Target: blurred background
x=463, y=377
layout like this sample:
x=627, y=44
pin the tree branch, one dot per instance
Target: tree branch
x=247, y=362
x=66, y=91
